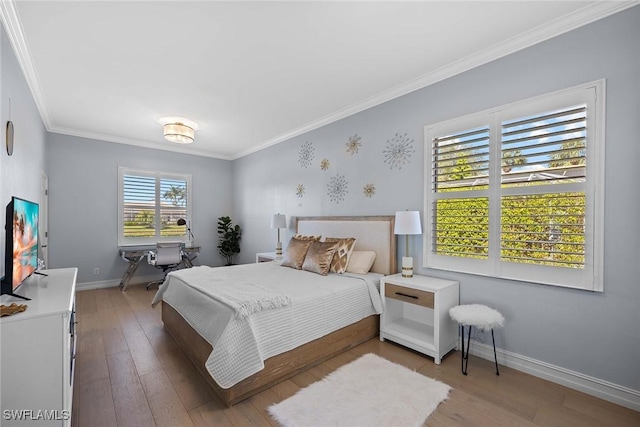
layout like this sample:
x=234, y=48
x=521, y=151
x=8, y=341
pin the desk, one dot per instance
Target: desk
x=135, y=255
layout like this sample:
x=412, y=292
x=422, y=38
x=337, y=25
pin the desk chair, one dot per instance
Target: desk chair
x=167, y=256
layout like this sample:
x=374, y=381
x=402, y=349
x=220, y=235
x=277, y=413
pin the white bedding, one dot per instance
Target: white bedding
x=318, y=306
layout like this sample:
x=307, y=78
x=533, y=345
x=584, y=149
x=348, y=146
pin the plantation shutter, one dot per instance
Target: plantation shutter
x=173, y=205
x=511, y=192
x=139, y=209
x=543, y=172
x=461, y=160
x=150, y=205
x=460, y=165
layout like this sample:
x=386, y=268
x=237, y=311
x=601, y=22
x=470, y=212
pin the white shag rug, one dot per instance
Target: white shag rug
x=370, y=391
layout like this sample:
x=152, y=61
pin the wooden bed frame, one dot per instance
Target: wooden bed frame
x=285, y=365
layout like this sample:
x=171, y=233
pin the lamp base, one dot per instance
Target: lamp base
x=407, y=266
x=279, y=249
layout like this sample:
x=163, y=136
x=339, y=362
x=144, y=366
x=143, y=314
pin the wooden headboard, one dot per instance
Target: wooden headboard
x=372, y=233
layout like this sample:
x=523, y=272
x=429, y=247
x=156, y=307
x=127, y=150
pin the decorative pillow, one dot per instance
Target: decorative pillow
x=319, y=256
x=295, y=253
x=361, y=262
x=343, y=253
x=303, y=237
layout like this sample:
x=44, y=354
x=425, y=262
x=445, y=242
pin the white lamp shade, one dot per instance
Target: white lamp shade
x=279, y=221
x=407, y=222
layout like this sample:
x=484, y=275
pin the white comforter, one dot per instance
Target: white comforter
x=318, y=305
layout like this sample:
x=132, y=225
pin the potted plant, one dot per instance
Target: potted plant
x=229, y=238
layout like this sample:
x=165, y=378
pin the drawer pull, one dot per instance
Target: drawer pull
x=406, y=295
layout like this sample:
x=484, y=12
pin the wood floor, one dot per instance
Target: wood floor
x=129, y=372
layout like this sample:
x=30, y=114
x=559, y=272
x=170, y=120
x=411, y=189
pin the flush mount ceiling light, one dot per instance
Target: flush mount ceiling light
x=179, y=130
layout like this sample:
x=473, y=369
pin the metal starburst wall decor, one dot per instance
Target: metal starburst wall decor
x=354, y=144
x=369, y=190
x=398, y=151
x=337, y=188
x=324, y=164
x=306, y=155
x=300, y=190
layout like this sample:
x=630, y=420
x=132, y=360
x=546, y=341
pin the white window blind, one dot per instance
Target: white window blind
x=460, y=162
x=512, y=192
x=150, y=204
x=544, y=225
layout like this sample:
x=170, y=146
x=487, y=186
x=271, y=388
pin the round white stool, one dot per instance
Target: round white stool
x=480, y=316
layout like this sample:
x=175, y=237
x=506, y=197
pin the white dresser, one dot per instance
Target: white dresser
x=38, y=352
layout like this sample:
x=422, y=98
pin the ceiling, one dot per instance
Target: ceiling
x=252, y=74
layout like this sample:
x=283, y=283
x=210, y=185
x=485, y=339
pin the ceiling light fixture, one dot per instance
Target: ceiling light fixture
x=178, y=129
x=178, y=132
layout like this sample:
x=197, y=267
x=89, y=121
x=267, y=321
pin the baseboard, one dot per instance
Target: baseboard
x=85, y=286
x=605, y=390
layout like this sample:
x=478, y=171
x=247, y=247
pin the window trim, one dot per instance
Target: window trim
x=122, y=171
x=591, y=277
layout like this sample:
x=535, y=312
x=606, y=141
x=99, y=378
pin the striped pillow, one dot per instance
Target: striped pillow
x=343, y=253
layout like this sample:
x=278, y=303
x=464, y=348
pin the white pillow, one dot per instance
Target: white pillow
x=361, y=262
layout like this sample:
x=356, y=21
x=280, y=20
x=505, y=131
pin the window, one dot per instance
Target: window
x=150, y=204
x=517, y=192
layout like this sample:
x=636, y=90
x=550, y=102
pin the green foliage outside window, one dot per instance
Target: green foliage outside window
x=143, y=225
x=462, y=227
x=543, y=229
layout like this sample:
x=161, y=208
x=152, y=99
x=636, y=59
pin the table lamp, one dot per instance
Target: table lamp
x=407, y=222
x=279, y=221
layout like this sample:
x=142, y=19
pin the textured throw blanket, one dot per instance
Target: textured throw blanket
x=243, y=297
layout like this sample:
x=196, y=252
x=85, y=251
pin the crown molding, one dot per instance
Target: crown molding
x=13, y=27
x=582, y=17
x=168, y=146
x=601, y=9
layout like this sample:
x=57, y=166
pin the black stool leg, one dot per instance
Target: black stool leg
x=462, y=356
x=465, y=356
x=494, y=352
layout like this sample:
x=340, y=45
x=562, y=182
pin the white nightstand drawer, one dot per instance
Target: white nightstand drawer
x=409, y=295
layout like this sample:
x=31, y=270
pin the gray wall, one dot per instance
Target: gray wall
x=596, y=334
x=21, y=173
x=83, y=202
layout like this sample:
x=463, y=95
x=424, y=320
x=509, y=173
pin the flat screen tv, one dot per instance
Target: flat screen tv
x=21, y=254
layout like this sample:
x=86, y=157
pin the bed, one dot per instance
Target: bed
x=282, y=352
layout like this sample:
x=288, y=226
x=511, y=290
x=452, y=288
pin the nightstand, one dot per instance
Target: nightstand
x=416, y=313
x=265, y=256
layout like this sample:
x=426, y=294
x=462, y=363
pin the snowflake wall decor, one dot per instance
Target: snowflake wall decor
x=337, y=188
x=369, y=190
x=354, y=144
x=300, y=190
x=324, y=164
x=398, y=151
x=307, y=153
